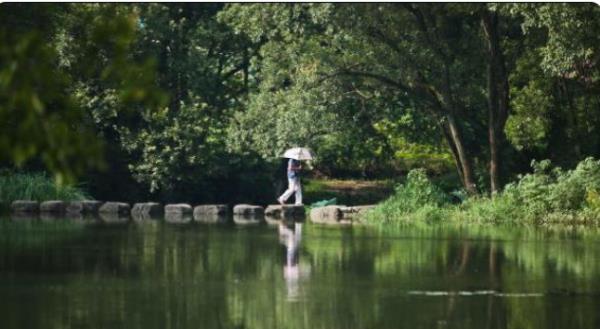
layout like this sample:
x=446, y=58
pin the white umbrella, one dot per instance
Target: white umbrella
x=298, y=153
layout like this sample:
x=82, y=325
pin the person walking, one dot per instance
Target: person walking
x=295, y=155
x=293, y=174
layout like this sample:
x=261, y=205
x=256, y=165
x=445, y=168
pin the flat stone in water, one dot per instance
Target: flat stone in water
x=146, y=210
x=211, y=213
x=248, y=211
x=56, y=207
x=25, y=206
x=338, y=214
x=115, y=208
x=289, y=212
x=178, y=208
x=180, y=213
x=84, y=207
x=326, y=215
x=211, y=209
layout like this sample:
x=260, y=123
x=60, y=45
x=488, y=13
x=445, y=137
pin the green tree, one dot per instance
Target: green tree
x=555, y=82
x=50, y=51
x=38, y=117
x=204, y=67
x=425, y=56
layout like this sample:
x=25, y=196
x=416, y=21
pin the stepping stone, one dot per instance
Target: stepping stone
x=287, y=212
x=179, y=208
x=85, y=207
x=55, y=207
x=211, y=209
x=180, y=213
x=114, y=218
x=25, y=207
x=326, y=215
x=215, y=213
x=147, y=210
x=338, y=214
x=248, y=211
x=115, y=208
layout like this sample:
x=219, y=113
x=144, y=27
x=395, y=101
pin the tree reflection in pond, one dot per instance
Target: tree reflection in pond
x=153, y=275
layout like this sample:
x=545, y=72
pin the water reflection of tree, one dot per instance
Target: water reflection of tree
x=155, y=276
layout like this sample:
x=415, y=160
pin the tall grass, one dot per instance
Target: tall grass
x=35, y=186
x=549, y=195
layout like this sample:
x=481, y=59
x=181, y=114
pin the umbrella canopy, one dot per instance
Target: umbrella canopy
x=298, y=153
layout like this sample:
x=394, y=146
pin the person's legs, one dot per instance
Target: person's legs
x=291, y=188
x=298, y=192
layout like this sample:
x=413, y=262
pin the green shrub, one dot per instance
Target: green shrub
x=547, y=195
x=35, y=186
x=592, y=199
x=418, y=198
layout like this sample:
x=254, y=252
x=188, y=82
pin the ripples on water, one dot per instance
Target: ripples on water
x=148, y=274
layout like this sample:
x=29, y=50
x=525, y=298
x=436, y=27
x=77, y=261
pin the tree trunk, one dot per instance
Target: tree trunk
x=462, y=157
x=454, y=138
x=498, y=97
x=446, y=132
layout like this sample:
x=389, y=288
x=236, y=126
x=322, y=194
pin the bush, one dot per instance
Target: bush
x=418, y=198
x=35, y=186
x=547, y=195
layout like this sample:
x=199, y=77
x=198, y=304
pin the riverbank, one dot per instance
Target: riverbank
x=548, y=195
x=34, y=186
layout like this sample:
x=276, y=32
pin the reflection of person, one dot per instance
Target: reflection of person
x=293, y=174
x=291, y=270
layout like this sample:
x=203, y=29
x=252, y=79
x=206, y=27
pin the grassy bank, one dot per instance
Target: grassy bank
x=348, y=191
x=549, y=195
x=34, y=186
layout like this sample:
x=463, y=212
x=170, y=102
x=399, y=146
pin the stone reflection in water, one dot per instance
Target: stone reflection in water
x=293, y=271
x=60, y=274
x=113, y=219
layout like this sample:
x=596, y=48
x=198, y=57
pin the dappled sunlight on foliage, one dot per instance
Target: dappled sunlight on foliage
x=549, y=195
x=199, y=100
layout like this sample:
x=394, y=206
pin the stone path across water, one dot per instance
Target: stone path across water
x=182, y=213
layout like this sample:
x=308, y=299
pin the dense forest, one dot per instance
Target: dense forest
x=196, y=102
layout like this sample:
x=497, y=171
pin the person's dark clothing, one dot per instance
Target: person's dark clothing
x=292, y=169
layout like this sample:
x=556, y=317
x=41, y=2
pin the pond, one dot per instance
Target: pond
x=65, y=274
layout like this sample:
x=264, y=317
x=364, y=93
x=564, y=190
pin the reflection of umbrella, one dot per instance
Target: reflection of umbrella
x=298, y=153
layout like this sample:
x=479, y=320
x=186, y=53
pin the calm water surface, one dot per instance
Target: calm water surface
x=67, y=274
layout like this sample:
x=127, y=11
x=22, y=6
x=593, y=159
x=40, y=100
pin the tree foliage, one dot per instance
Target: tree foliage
x=200, y=100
